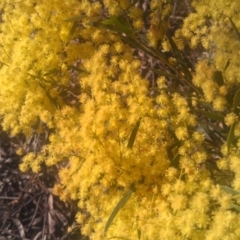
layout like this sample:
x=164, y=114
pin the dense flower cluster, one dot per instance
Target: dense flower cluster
x=47, y=46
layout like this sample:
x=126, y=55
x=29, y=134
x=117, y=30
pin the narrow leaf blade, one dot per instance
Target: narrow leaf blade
x=237, y=207
x=4, y=63
x=163, y=73
x=139, y=234
x=133, y=134
x=229, y=190
x=115, y=211
x=236, y=100
x=227, y=64
x=218, y=77
x=230, y=137
x=235, y=28
x=51, y=72
x=177, y=54
x=73, y=28
x=75, y=68
x=211, y=115
x=114, y=21
x=75, y=18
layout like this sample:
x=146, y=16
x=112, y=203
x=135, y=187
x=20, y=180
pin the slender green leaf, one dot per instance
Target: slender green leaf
x=166, y=74
x=174, y=47
x=237, y=207
x=75, y=18
x=51, y=99
x=175, y=161
x=212, y=167
x=236, y=100
x=229, y=190
x=235, y=28
x=131, y=40
x=218, y=77
x=73, y=28
x=81, y=162
x=117, y=237
x=148, y=12
x=51, y=72
x=227, y=64
x=139, y=234
x=114, y=21
x=115, y=211
x=211, y=115
x=37, y=77
x=217, y=129
x=133, y=134
x=177, y=53
x=170, y=149
x=75, y=68
x=4, y=63
x=110, y=21
x=204, y=129
x=230, y=136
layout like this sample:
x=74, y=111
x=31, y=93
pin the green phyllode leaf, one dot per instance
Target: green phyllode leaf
x=133, y=134
x=227, y=64
x=234, y=193
x=51, y=99
x=236, y=100
x=230, y=137
x=163, y=73
x=75, y=18
x=235, y=28
x=51, y=72
x=3, y=64
x=114, y=21
x=211, y=115
x=178, y=55
x=218, y=77
x=73, y=28
x=139, y=234
x=128, y=194
x=237, y=207
x=120, y=204
x=229, y=190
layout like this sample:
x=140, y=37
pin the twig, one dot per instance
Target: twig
x=35, y=212
x=187, y=5
x=10, y=198
x=174, y=8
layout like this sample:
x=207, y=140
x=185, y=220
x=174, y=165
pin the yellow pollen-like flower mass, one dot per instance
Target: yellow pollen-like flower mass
x=72, y=70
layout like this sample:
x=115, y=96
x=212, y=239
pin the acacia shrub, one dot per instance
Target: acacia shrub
x=47, y=46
